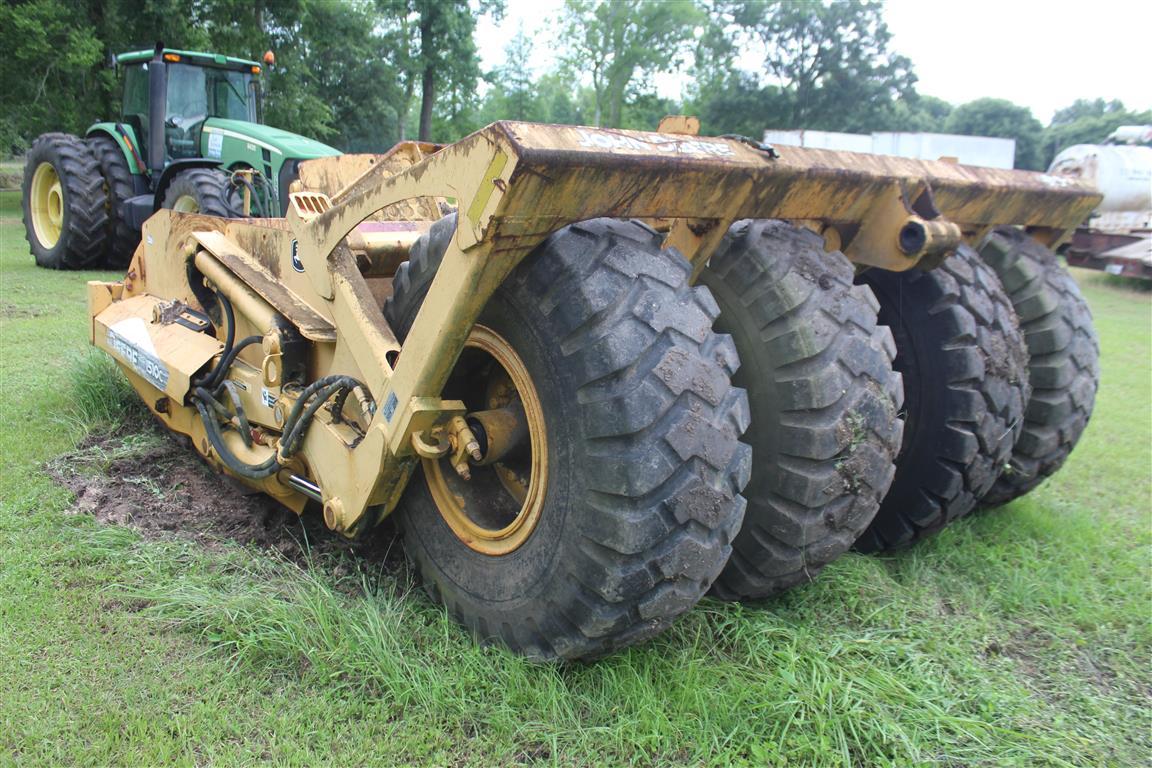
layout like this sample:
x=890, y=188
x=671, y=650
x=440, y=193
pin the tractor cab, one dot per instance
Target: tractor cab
x=181, y=90
x=190, y=137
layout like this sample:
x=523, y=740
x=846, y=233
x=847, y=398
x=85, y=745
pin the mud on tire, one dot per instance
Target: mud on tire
x=1064, y=367
x=644, y=462
x=965, y=368
x=73, y=234
x=824, y=400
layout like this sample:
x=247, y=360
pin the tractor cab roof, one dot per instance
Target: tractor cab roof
x=196, y=58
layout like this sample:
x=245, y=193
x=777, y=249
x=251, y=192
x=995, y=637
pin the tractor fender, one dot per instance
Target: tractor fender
x=170, y=172
x=125, y=137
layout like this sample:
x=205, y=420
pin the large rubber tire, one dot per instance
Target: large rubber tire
x=208, y=189
x=118, y=186
x=81, y=229
x=645, y=465
x=824, y=399
x=1065, y=359
x=965, y=368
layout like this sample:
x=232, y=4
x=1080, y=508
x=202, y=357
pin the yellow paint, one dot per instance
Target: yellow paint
x=487, y=187
x=46, y=203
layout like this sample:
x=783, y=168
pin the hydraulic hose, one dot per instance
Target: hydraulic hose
x=264, y=469
x=310, y=401
x=216, y=377
x=245, y=426
x=229, y=337
x=290, y=442
x=303, y=411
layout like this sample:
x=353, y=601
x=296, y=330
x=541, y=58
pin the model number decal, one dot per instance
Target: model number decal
x=144, y=363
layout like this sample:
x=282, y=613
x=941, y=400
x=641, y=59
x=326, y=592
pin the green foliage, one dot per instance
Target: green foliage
x=1088, y=121
x=437, y=53
x=514, y=94
x=830, y=63
x=1003, y=119
x=49, y=69
x=559, y=103
x=101, y=398
x=914, y=112
x=347, y=71
x=740, y=105
x=363, y=74
x=621, y=45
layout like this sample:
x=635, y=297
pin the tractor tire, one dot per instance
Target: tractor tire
x=824, y=399
x=965, y=368
x=1064, y=369
x=639, y=447
x=203, y=190
x=64, y=203
x=118, y=186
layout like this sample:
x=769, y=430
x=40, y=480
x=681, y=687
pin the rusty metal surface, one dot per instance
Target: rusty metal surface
x=573, y=173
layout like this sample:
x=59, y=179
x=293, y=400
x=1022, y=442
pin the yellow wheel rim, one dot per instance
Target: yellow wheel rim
x=186, y=204
x=498, y=509
x=47, y=205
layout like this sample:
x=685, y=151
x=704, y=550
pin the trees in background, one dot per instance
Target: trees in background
x=821, y=65
x=357, y=73
x=1088, y=121
x=362, y=74
x=622, y=45
x=1003, y=119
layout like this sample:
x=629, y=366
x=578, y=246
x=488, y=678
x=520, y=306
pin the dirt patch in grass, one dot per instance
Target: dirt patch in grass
x=149, y=480
x=11, y=311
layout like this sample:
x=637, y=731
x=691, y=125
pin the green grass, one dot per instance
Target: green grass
x=10, y=209
x=1021, y=637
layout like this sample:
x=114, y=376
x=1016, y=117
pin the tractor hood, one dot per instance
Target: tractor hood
x=218, y=132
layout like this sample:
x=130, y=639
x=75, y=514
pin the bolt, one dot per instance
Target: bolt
x=462, y=470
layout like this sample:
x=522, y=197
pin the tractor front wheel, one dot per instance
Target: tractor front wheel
x=64, y=202
x=202, y=190
x=608, y=506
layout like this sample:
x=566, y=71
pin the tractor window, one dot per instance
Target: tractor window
x=134, y=111
x=195, y=93
x=231, y=94
x=187, y=109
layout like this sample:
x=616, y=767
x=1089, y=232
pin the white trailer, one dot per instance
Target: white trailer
x=1117, y=238
x=983, y=151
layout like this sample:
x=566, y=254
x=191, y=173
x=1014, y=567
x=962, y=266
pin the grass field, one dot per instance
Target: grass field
x=1019, y=637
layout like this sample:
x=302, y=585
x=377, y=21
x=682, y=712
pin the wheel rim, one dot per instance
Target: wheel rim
x=186, y=204
x=47, y=205
x=497, y=510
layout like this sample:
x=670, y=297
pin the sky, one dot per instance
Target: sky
x=1043, y=55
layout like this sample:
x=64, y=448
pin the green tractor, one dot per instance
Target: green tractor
x=189, y=138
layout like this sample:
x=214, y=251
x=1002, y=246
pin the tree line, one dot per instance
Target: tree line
x=363, y=74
